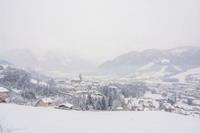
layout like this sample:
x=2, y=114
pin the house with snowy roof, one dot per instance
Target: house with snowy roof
x=45, y=102
x=4, y=94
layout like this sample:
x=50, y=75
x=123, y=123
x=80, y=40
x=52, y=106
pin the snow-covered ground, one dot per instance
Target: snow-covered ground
x=24, y=119
x=182, y=76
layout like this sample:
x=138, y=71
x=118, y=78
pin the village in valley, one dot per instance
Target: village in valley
x=98, y=94
x=99, y=66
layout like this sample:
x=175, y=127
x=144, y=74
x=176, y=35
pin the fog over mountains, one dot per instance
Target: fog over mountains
x=47, y=62
x=151, y=62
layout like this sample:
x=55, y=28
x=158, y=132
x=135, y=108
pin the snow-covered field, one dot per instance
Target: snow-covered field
x=24, y=119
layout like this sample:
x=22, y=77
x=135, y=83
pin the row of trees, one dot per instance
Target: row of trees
x=108, y=97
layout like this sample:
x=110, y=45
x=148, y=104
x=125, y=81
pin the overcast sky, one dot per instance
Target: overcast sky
x=98, y=29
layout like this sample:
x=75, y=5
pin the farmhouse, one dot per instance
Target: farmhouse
x=4, y=94
x=45, y=102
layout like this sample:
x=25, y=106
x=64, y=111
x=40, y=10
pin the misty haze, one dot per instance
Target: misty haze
x=109, y=66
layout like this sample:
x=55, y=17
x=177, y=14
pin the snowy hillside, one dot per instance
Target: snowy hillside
x=154, y=64
x=191, y=73
x=176, y=59
x=156, y=70
x=40, y=120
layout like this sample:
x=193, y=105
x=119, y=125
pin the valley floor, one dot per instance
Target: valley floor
x=25, y=119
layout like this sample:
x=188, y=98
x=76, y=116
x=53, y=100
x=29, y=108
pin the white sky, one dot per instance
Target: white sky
x=98, y=29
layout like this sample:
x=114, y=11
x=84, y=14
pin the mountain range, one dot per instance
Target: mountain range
x=169, y=65
x=154, y=63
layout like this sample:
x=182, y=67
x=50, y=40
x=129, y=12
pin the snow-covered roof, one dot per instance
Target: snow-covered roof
x=119, y=108
x=165, y=61
x=168, y=106
x=47, y=100
x=68, y=105
x=113, y=87
x=33, y=81
x=43, y=83
x=2, y=89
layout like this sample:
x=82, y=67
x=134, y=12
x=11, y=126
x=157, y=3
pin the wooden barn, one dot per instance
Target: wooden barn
x=4, y=94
